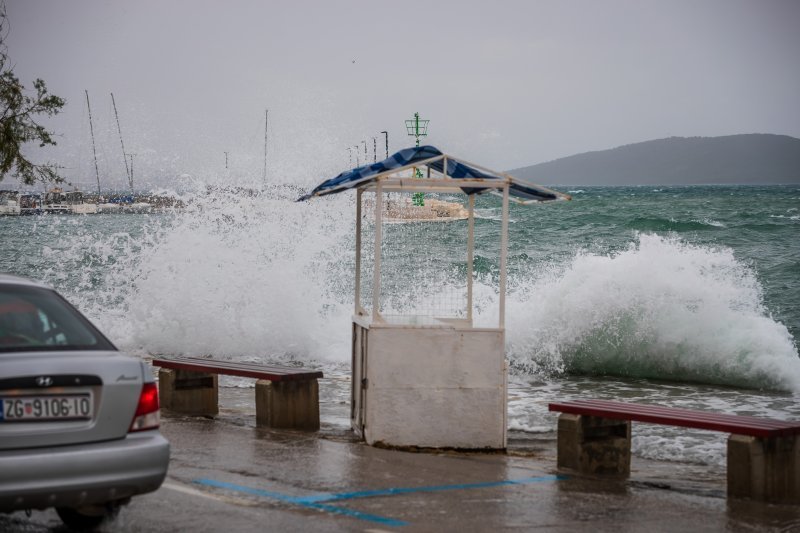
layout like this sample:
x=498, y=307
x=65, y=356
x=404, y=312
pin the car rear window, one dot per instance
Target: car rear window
x=35, y=319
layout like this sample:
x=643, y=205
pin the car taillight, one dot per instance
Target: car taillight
x=147, y=414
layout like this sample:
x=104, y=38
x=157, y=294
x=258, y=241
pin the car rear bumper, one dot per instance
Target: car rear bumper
x=86, y=474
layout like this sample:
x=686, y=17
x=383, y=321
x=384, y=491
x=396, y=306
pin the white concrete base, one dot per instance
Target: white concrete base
x=438, y=386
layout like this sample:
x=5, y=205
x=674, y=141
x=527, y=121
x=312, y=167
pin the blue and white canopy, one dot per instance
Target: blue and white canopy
x=430, y=156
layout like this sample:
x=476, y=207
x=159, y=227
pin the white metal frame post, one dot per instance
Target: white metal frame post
x=358, y=309
x=470, y=254
x=503, y=258
x=376, y=278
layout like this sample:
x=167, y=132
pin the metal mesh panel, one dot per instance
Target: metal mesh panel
x=423, y=255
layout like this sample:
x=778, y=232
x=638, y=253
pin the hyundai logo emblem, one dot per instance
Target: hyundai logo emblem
x=44, y=381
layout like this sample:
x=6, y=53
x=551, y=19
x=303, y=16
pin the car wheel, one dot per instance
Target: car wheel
x=87, y=518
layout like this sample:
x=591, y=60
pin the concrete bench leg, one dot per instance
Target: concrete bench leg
x=593, y=445
x=192, y=393
x=288, y=404
x=765, y=469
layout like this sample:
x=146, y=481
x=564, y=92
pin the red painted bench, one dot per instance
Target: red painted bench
x=286, y=397
x=763, y=454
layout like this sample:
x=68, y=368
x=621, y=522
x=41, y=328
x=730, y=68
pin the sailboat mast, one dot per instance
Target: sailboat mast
x=94, y=150
x=124, y=157
x=131, y=156
x=266, y=128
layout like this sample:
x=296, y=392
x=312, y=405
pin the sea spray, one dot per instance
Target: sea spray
x=662, y=309
x=241, y=273
x=258, y=276
x=240, y=276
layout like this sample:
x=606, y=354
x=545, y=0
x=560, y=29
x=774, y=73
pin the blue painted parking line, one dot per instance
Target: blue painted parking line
x=356, y=514
x=317, y=501
x=434, y=488
x=299, y=501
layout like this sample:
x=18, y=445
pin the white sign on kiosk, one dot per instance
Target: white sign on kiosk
x=430, y=380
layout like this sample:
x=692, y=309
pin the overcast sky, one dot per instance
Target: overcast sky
x=504, y=84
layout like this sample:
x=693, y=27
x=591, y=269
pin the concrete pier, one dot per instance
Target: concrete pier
x=191, y=393
x=764, y=469
x=593, y=445
x=288, y=404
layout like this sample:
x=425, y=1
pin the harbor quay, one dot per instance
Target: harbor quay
x=227, y=474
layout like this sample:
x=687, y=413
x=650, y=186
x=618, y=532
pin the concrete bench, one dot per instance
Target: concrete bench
x=594, y=437
x=286, y=397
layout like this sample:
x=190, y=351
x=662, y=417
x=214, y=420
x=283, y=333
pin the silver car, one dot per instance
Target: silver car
x=78, y=419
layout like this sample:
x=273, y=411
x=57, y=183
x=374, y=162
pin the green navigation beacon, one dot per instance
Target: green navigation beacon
x=418, y=128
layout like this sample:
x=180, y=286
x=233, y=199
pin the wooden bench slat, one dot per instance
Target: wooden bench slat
x=242, y=365
x=655, y=414
x=231, y=364
x=733, y=419
x=644, y=409
x=219, y=361
x=233, y=368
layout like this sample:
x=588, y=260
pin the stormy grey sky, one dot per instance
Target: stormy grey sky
x=505, y=83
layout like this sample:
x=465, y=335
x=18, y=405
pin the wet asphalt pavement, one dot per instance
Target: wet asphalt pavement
x=226, y=475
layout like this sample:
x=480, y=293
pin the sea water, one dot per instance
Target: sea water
x=681, y=296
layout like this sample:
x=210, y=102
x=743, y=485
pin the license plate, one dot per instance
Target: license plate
x=51, y=407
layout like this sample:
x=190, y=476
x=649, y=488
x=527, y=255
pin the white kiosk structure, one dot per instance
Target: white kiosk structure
x=430, y=379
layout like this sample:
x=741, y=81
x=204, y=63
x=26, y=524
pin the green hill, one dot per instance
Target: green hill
x=734, y=159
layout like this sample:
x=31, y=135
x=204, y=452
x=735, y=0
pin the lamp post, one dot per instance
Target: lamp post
x=386, y=134
x=374, y=150
x=350, y=154
x=358, y=163
x=366, y=156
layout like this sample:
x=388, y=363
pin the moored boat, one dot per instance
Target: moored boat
x=9, y=202
x=58, y=201
x=30, y=204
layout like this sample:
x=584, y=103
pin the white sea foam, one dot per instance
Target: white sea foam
x=492, y=214
x=660, y=309
x=518, y=425
x=711, y=222
x=671, y=444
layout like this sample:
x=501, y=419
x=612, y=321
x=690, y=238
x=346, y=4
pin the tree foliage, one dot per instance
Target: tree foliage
x=19, y=110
